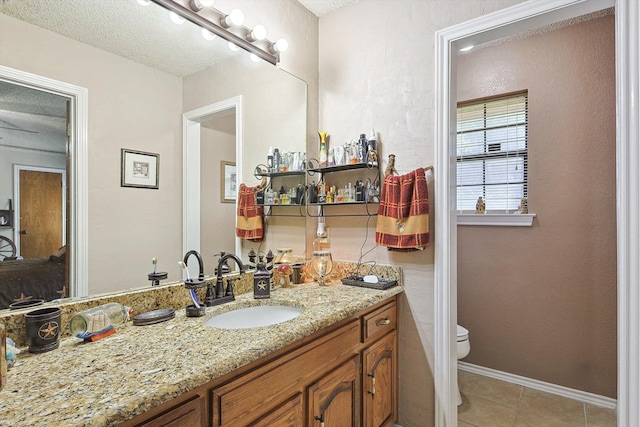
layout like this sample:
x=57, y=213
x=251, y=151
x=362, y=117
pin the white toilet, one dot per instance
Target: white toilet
x=463, y=350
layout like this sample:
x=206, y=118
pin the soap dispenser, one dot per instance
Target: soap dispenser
x=261, y=281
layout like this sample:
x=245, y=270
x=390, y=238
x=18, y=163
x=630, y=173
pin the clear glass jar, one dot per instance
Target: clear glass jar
x=96, y=319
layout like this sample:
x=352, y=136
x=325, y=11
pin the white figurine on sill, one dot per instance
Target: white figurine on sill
x=480, y=208
x=524, y=207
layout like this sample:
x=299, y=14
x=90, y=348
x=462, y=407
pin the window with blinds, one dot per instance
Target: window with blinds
x=492, y=153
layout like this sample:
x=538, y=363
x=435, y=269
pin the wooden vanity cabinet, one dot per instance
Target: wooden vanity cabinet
x=290, y=414
x=379, y=383
x=343, y=376
x=379, y=372
x=334, y=400
x=188, y=410
x=257, y=394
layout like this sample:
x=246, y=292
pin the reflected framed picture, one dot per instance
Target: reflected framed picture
x=139, y=169
x=228, y=186
x=6, y=218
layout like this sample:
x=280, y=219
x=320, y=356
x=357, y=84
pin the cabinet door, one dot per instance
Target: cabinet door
x=379, y=383
x=334, y=399
x=188, y=414
x=290, y=414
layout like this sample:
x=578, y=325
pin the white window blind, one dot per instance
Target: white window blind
x=492, y=153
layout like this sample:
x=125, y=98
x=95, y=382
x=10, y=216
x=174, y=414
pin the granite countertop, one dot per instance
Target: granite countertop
x=121, y=376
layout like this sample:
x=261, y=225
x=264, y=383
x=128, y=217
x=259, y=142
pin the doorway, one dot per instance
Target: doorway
x=192, y=193
x=77, y=167
x=508, y=21
x=40, y=211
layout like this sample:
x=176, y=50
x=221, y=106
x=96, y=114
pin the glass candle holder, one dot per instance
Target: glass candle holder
x=322, y=265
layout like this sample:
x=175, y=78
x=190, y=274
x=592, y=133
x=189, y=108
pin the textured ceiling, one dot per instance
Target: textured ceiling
x=323, y=7
x=123, y=27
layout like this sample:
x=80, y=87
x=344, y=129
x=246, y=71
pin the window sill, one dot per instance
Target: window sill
x=505, y=220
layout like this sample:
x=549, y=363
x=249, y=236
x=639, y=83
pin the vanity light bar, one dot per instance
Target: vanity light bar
x=181, y=8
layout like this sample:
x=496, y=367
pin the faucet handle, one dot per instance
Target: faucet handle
x=229, y=290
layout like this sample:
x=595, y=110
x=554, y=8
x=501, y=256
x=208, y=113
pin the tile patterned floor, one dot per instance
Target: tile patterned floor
x=487, y=402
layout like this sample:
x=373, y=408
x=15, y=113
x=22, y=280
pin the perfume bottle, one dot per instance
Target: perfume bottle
x=322, y=157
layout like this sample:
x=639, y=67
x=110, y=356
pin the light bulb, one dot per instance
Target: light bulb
x=254, y=57
x=177, y=19
x=321, y=231
x=235, y=17
x=259, y=32
x=144, y=2
x=208, y=35
x=281, y=45
x=233, y=47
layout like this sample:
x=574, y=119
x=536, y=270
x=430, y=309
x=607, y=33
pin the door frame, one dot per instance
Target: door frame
x=504, y=22
x=16, y=196
x=78, y=169
x=191, y=121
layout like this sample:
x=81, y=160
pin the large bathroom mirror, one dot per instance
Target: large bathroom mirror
x=141, y=72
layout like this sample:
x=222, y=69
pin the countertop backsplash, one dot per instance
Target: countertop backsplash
x=175, y=296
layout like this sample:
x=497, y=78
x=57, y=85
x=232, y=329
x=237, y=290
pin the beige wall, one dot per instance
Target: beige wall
x=130, y=106
x=217, y=219
x=541, y=302
x=377, y=70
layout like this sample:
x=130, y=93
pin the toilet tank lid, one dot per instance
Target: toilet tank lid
x=462, y=333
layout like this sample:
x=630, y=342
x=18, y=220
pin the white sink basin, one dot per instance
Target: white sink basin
x=253, y=317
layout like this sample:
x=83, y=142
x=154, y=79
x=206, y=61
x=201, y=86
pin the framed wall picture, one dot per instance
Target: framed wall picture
x=139, y=169
x=6, y=218
x=228, y=185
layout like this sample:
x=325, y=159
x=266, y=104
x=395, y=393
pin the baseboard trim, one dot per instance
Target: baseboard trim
x=583, y=396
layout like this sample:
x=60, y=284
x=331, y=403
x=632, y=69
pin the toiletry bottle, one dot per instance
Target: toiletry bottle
x=322, y=195
x=261, y=278
x=372, y=148
x=322, y=157
x=98, y=318
x=359, y=191
x=362, y=148
x=270, y=159
x=313, y=193
x=276, y=160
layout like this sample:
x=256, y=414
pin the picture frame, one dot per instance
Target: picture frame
x=139, y=169
x=6, y=218
x=228, y=184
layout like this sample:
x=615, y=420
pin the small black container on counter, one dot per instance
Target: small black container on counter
x=43, y=329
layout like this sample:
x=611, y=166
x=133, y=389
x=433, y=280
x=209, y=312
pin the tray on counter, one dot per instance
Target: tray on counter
x=358, y=281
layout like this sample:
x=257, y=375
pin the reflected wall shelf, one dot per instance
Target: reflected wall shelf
x=279, y=209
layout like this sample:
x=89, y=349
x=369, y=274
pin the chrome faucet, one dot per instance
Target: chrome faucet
x=200, y=263
x=222, y=295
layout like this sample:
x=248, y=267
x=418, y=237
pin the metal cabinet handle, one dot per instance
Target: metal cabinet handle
x=321, y=419
x=383, y=322
x=372, y=392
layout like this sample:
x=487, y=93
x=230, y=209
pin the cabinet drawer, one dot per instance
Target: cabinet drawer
x=265, y=388
x=188, y=414
x=379, y=322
